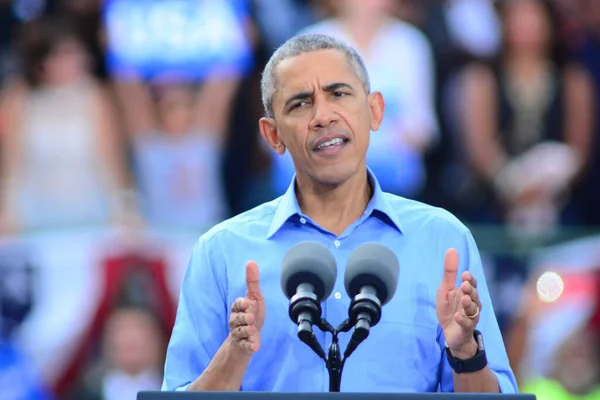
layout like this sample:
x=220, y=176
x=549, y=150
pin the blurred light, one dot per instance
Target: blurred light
x=550, y=286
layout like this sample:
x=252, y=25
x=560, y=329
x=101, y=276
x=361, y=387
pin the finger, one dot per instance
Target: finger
x=468, y=277
x=239, y=305
x=252, y=280
x=240, y=319
x=469, y=306
x=450, y=269
x=466, y=288
x=475, y=298
x=243, y=332
x=251, y=344
x=467, y=324
x=470, y=291
x=247, y=345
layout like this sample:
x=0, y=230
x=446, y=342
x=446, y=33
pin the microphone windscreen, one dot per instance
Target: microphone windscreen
x=372, y=264
x=308, y=262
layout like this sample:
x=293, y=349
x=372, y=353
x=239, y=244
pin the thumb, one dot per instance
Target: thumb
x=450, y=270
x=252, y=280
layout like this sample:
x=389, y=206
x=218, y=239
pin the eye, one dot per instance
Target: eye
x=299, y=104
x=339, y=94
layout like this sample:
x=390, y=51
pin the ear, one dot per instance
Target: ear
x=376, y=108
x=268, y=130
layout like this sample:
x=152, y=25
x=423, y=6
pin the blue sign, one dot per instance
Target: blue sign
x=186, y=38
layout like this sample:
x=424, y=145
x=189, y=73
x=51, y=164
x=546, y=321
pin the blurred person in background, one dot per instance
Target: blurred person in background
x=292, y=16
x=527, y=121
x=176, y=156
x=588, y=53
x=87, y=18
x=543, y=323
x=399, y=60
x=459, y=31
x=62, y=163
x=176, y=85
x=575, y=371
x=131, y=357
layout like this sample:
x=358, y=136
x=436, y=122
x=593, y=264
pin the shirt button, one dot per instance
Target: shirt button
x=337, y=295
x=337, y=243
x=302, y=220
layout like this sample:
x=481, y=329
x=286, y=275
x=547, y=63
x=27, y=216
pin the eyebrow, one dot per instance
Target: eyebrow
x=332, y=87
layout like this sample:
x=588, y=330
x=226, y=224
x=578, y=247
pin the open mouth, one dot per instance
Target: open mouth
x=331, y=144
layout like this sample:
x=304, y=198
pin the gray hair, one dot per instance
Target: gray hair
x=301, y=44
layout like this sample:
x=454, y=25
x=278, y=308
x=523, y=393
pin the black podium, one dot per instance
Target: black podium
x=327, y=396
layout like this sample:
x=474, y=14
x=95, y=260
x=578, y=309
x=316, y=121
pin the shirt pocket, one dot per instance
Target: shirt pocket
x=401, y=356
x=402, y=349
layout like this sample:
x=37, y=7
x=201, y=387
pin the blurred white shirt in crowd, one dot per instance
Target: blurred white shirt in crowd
x=121, y=386
x=475, y=26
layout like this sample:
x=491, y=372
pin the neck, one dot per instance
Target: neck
x=525, y=65
x=334, y=207
x=525, y=60
x=175, y=131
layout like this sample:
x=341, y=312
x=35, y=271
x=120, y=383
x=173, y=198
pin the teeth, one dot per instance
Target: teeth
x=330, y=143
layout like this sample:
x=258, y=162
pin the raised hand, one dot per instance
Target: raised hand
x=248, y=314
x=458, y=309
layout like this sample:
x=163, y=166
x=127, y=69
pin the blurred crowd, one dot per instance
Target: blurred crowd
x=142, y=116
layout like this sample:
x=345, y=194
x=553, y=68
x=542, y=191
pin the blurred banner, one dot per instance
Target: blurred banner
x=182, y=38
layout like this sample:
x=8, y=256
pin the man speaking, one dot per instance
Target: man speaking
x=233, y=331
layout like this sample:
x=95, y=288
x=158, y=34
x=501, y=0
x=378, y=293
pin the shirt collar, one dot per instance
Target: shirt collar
x=378, y=206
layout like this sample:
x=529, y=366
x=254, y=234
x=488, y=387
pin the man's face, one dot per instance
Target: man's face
x=322, y=116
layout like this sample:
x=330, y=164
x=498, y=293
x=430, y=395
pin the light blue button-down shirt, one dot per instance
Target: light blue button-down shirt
x=405, y=352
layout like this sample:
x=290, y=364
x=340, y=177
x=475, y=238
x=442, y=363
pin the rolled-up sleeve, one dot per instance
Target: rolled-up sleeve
x=201, y=323
x=497, y=358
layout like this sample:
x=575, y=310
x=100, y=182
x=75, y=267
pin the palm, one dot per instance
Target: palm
x=447, y=305
x=450, y=305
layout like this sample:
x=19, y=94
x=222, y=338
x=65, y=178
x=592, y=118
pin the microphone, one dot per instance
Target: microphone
x=371, y=280
x=308, y=275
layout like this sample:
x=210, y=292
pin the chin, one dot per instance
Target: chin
x=334, y=175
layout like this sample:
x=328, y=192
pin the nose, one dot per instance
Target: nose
x=323, y=114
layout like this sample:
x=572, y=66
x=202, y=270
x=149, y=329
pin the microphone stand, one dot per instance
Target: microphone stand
x=365, y=311
x=334, y=361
